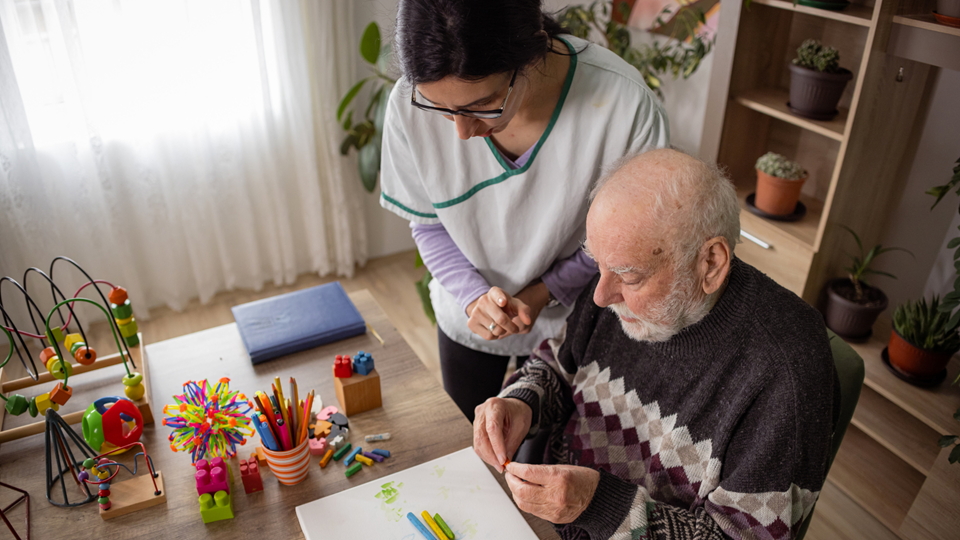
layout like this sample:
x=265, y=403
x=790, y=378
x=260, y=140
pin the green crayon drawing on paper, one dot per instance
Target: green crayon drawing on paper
x=445, y=491
x=475, y=490
x=438, y=471
x=388, y=495
x=471, y=529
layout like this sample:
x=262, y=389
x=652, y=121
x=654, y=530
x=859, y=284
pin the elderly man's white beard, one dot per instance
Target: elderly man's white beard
x=665, y=319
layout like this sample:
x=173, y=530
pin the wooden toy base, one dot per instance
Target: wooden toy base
x=45, y=378
x=358, y=393
x=134, y=494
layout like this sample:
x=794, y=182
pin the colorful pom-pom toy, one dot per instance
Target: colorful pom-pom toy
x=208, y=420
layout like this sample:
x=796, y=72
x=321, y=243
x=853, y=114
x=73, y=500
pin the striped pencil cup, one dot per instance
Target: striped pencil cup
x=292, y=466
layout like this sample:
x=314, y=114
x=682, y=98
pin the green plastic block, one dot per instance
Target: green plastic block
x=123, y=311
x=340, y=453
x=352, y=470
x=216, y=507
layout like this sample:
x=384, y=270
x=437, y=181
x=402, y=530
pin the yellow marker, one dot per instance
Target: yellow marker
x=433, y=525
x=364, y=459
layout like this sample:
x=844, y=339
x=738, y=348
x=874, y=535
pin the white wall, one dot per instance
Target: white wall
x=685, y=103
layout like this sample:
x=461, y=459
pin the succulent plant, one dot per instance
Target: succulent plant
x=814, y=55
x=776, y=165
x=926, y=327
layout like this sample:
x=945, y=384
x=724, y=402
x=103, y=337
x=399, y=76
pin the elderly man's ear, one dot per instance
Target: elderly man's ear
x=714, y=263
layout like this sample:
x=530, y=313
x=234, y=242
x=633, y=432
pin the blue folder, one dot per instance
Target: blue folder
x=297, y=321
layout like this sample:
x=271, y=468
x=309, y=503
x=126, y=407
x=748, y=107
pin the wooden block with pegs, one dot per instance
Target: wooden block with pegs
x=358, y=393
x=134, y=494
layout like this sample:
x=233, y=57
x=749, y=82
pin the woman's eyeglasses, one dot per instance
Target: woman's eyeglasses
x=485, y=115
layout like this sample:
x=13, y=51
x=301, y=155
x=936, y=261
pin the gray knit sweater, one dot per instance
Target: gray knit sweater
x=722, y=431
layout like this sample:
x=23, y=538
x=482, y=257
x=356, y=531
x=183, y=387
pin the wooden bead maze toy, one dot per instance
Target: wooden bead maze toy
x=59, y=345
x=121, y=498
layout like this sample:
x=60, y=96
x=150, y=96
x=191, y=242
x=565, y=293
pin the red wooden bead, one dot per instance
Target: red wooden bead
x=47, y=354
x=118, y=295
x=86, y=355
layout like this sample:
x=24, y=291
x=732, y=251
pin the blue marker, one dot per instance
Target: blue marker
x=420, y=526
x=349, y=459
x=266, y=436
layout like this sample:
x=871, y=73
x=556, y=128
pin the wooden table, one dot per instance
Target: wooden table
x=423, y=420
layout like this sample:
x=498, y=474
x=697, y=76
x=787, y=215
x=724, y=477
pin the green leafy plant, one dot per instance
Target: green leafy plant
x=952, y=440
x=926, y=326
x=676, y=56
x=423, y=289
x=814, y=55
x=776, y=165
x=365, y=135
x=861, y=263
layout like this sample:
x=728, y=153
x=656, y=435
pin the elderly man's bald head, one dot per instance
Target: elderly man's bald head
x=661, y=226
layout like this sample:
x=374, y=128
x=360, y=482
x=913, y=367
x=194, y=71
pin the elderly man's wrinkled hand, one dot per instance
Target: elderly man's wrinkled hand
x=556, y=493
x=499, y=426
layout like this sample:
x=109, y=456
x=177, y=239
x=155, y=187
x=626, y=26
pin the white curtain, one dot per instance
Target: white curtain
x=177, y=147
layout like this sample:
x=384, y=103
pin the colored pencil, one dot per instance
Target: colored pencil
x=307, y=407
x=296, y=405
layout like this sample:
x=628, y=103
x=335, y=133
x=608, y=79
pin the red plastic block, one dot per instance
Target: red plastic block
x=212, y=476
x=342, y=367
x=250, y=475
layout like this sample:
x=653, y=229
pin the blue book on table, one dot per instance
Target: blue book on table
x=296, y=321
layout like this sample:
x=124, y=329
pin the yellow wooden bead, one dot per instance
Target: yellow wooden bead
x=59, y=368
x=127, y=330
x=71, y=339
x=134, y=392
x=50, y=363
x=44, y=402
x=124, y=322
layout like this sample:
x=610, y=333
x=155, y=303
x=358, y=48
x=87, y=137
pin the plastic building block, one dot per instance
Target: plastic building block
x=261, y=457
x=216, y=507
x=318, y=447
x=337, y=442
x=342, y=367
x=212, y=476
x=352, y=470
x=363, y=363
x=322, y=429
x=341, y=451
x=364, y=459
x=376, y=457
x=122, y=311
x=358, y=393
x=339, y=419
x=60, y=394
x=353, y=453
x=326, y=458
x=379, y=452
x=250, y=475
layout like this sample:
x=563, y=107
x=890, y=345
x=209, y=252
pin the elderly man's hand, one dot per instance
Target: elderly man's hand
x=556, y=493
x=499, y=426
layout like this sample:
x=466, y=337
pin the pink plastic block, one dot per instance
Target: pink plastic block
x=318, y=447
x=250, y=475
x=212, y=476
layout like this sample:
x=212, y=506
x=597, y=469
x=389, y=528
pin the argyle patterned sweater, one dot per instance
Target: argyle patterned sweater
x=722, y=431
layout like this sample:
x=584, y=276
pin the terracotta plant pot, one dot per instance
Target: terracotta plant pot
x=777, y=196
x=913, y=360
x=815, y=94
x=848, y=318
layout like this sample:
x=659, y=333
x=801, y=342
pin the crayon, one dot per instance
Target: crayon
x=443, y=526
x=349, y=459
x=420, y=527
x=353, y=469
x=364, y=459
x=375, y=457
x=339, y=453
x=326, y=458
x=384, y=453
x=378, y=437
x=433, y=524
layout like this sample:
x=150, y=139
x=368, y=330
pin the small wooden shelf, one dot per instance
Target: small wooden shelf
x=933, y=406
x=910, y=440
x=804, y=230
x=853, y=14
x=926, y=22
x=773, y=102
x=877, y=480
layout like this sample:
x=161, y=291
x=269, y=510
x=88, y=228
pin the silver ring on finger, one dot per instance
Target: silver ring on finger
x=492, y=327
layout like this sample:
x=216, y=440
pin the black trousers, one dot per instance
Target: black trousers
x=469, y=376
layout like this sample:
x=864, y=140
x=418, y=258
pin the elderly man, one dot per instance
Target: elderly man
x=699, y=404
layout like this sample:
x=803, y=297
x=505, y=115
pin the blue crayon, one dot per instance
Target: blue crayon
x=353, y=453
x=384, y=453
x=420, y=526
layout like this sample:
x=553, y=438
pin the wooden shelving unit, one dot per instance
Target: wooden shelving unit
x=889, y=465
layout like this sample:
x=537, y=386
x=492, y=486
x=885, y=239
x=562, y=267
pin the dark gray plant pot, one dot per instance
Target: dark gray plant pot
x=950, y=8
x=849, y=319
x=815, y=94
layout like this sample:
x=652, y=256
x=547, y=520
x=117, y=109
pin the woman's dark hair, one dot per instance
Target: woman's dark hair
x=470, y=39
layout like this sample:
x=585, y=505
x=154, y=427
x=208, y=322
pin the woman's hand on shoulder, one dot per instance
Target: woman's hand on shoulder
x=496, y=314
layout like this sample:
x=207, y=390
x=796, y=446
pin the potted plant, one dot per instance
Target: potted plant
x=923, y=339
x=852, y=304
x=779, y=181
x=831, y=5
x=816, y=81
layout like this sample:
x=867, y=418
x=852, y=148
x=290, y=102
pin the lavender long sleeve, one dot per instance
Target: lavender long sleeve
x=565, y=279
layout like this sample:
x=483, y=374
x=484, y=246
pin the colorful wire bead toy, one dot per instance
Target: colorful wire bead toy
x=208, y=420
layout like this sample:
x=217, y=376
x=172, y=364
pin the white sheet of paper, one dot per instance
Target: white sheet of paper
x=457, y=486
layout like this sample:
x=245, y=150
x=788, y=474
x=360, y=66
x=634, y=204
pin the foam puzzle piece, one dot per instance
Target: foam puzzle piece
x=339, y=419
x=337, y=431
x=318, y=447
x=216, y=507
x=327, y=412
x=322, y=429
x=250, y=476
x=337, y=442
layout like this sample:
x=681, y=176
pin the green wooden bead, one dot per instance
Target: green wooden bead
x=132, y=341
x=123, y=311
x=55, y=334
x=128, y=330
x=59, y=368
x=104, y=500
x=133, y=379
x=75, y=346
x=17, y=404
x=33, y=407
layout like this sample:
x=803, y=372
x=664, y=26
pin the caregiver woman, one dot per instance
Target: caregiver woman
x=493, y=138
